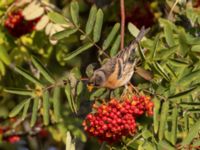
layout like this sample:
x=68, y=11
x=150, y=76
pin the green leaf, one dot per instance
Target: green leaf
x=34, y=111
x=91, y=20
x=164, y=145
x=186, y=121
x=190, y=104
x=42, y=69
x=169, y=35
x=153, y=54
x=70, y=145
x=183, y=93
x=46, y=108
x=195, y=48
x=174, y=125
x=133, y=29
x=107, y=42
x=74, y=10
x=90, y=70
x=141, y=53
x=98, y=26
x=115, y=46
x=19, y=91
x=63, y=34
x=2, y=69
x=189, y=78
x=161, y=71
x=97, y=93
x=193, y=132
x=163, y=119
x=28, y=76
x=81, y=49
x=70, y=97
x=17, y=108
x=79, y=87
x=56, y=103
x=57, y=18
x=25, y=110
x=156, y=114
x=4, y=57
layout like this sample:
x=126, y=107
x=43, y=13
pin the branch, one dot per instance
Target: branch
x=122, y=22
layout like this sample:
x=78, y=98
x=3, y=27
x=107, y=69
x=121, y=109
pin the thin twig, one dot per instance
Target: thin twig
x=172, y=9
x=122, y=22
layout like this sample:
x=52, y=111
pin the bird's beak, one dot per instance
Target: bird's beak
x=90, y=87
x=89, y=84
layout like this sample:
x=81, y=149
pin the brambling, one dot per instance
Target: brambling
x=118, y=70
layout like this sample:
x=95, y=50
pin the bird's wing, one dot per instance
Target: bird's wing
x=126, y=52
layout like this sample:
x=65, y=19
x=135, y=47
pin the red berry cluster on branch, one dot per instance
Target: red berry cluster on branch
x=17, y=25
x=115, y=119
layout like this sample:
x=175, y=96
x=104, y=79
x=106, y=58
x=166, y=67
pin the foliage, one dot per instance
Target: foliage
x=42, y=74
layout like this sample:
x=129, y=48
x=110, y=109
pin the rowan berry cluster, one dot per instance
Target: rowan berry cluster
x=111, y=121
x=17, y=25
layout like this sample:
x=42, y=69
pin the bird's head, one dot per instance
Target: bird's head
x=98, y=78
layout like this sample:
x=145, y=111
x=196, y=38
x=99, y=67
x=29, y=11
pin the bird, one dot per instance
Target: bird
x=118, y=70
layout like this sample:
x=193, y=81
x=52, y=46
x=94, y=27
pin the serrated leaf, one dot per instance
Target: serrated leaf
x=42, y=69
x=63, y=34
x=115, y=46
x=195, y=48
x=74, y=10
x=190, y=104
x=4, y=57
x=19, y=91
x=193, y=132
x=156, y=114
x=28, y=76
x=17, y=108
x=2, y=68
x=70, y=97
x=189, y=78
x=165, y=145
x=169, y=35
x=97, y=93
x=178, y=63
x=76, y=52
x=183, y=93
x=161, y=71
x=163, y=119
x=56, y=103
x=91, y=20
x=25, y=110
x=107, y=42
x=141, y=53
x=34, y=111
x=57, y=18
x=79, y=87
x=46, y=108
x=153, y=53
x=166, y=53
x=174, y=125
x=98, y=26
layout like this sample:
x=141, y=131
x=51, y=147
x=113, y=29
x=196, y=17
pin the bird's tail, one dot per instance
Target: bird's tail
x=125, y=53
x=139, y=37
